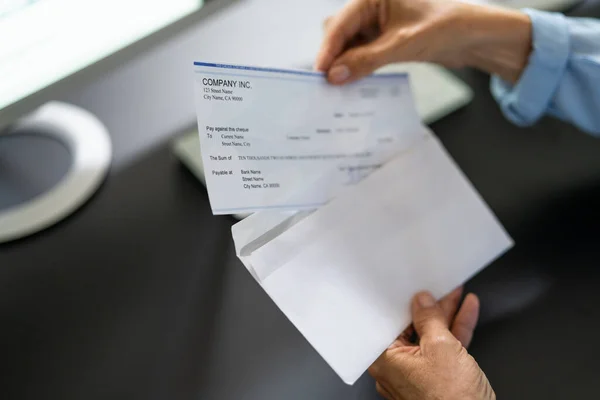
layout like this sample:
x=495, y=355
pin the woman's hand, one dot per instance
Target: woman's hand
x=368, y=34
x=438, y=367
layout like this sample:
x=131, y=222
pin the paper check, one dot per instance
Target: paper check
x=266, y=133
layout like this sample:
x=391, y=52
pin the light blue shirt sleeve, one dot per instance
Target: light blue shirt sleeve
x=562, y=77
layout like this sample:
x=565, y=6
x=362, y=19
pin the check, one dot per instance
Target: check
x=266, y=134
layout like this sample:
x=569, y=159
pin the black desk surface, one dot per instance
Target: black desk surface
x=139, y=295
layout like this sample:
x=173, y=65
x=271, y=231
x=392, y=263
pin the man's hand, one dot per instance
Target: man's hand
x=438, y=367
x=368, y=34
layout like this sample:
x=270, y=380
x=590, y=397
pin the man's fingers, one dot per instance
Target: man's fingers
x=466, y=320
x=361, y=61
x=450, y=302
x=428, y=317
x=341, y=29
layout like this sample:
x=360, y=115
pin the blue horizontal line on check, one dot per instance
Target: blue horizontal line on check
x=312, y=74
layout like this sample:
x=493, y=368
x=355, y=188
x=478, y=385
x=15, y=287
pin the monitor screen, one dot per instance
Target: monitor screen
x=43, y=41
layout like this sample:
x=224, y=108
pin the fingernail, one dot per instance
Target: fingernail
x=425, y=300
x=339, y=73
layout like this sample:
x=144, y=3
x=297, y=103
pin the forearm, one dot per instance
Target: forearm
x=541, y=63
x=561, y=74
x=499, y=41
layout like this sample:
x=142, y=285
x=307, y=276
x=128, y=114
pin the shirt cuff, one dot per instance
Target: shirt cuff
x=528, y=100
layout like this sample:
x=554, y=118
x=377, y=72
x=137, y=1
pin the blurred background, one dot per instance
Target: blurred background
x=116, y=281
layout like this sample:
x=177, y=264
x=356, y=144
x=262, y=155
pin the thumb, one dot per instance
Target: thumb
x=429, y=319
x=361, y=61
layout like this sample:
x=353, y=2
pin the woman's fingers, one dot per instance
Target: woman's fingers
x=356, y=16
x=466, y=320
x=428, y=318
x=450, y=303
x=383, y=392
x=361, y=61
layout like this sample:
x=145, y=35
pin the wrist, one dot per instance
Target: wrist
x=498, y=41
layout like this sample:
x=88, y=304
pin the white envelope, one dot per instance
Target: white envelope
x=344, y=274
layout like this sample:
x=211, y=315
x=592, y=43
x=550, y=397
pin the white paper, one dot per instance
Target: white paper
x=345, y=273
x=266, y=133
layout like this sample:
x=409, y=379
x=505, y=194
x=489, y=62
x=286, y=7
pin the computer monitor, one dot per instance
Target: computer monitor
x=47, y=45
